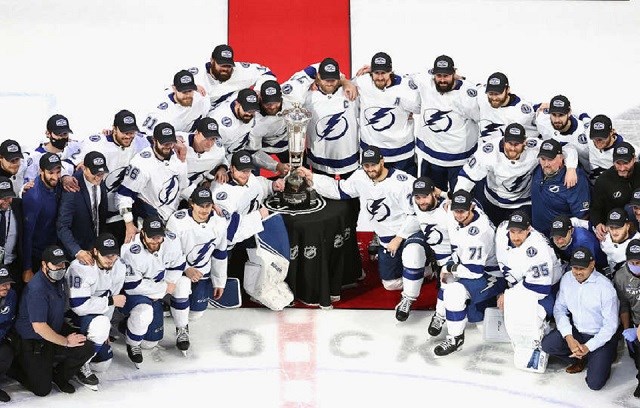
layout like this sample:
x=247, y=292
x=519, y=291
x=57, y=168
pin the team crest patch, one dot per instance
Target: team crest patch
x=487, y=148
x=526, y=109
x=163, y=106
x=472, y=162
x=145, y=155
x=94, y=138
x=226, y=121
x=412, y=85
x=180, y=215
x=218, y=142
x=531, y=143
x=472, y=93
x=473, y=230
x=170, y=235
x=286, y=89
x=135, y=249
x=401, y=177
x=245, y=64
x=582, y=139
x=221, y=195
x=193, y=70
x=531, y=252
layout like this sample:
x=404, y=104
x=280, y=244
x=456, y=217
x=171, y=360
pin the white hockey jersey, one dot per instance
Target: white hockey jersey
x=601, y=160
x=446, y=128
x=270, y=132
x=616, y=253
x=473, y=246
x=576, y=137
x=67, y=157
x=149, y=272
x=240, y=206
x=90, y=287
x=245, y=75
x=533, y=264
x=387, y=203
x=157, y=183
x=332, y=134
x=183, y=118
x=385, y=117
x=200, y=165
x=433, y=225
x=235, y=135
x=493, y=121
x=204, y=244
x=118, y=159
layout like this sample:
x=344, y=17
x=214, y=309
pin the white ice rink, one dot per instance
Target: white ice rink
x=88, y=59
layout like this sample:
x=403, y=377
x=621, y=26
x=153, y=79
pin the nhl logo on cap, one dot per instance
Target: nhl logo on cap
x=558, y=103
x=598, y=126
x=155, y=224
x=128, y=120
x=380, y=60
x=420, y=184
x=204, y=194
x=252, y=98
x=330, y=68
x=186, y=79
x=492, y=81
x=167, y=132
x=579, y=255
x=109, y=243
x=98, y=161
x=634, y=249
x=244, y=159
x=516, y=218
x=557, y=224
x=58, y=252
x=270, y=91
x=368, y=153
x=226, y=54
x=61, y=122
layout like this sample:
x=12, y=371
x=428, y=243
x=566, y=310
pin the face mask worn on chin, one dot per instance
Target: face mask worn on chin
x=634, y=269
x=59, y=144
x=57, y=274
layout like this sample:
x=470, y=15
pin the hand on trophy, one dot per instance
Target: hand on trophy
x=278, y=184
x=306, y=173
x=282, y=168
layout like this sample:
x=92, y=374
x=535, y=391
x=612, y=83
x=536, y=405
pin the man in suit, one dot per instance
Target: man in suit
x=82, y=215
x=11, y=231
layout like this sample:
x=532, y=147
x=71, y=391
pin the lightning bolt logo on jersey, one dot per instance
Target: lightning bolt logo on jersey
x=380, y=119
x=489, y=128
x=436, y=120
x=114, y=179
x=332, y=127
x=169, y=191
x=378, y=210
x=200, y=255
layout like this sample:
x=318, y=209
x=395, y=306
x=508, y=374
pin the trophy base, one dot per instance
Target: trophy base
x=295, y=199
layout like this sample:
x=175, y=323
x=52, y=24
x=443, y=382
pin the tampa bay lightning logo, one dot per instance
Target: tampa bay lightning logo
x=379, y=118
x=332, y=127
x=433, y=235
x=378, y=210
x=518, y=184
x=244, y=142
x=200, y=255
x=490, y=129
x=193, y=177
x=169, y=191
x=436, y=120
x=114, y=179
x=254, y=204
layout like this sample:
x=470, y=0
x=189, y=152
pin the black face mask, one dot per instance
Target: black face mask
x=59, y=144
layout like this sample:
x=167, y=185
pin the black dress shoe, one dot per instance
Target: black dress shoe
x=64, y=386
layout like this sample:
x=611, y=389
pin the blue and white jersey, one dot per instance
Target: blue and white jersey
x=493, y=121
x=386, y=204
x=433, y=225
x=616, y=252
x=155, y=182
x=473, y=246
x=296, y=88
x=446, y=124
x=182, y=118
x=576, y=137
x=200, y=165
x=67, y=158
x=90, y=287
x=118, y=159
x=385, y=117
x=245, y=75
x=332, y=132
x=241, y=204
x=508, y=182
x=533, y=264
x=204, y=244
x=149, y=272
x=270, y=132
x=235, y=135
x=601, y=160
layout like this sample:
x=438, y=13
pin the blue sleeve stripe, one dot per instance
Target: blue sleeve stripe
x=442, y=256
x=542, y=289
x=124, y=191
x=343, y=195
x=475, y=268
x=233, y=226
x=311, y=72
x=465, y=175
x=180, y=267
x=78, y=301
x=221, y=255
x=132, y=285
x=334, y=163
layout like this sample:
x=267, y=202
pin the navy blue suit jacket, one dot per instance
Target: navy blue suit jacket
x=75, y=224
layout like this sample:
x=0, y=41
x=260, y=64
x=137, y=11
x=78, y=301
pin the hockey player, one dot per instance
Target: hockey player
x=426, y=251
x=620, y=232
x=203, y=238
x=383, y=194
x=604, y=140
x=157, y=265
x=531, y=270
x=181, y=106
x=500, y=108
x=152, y=182
x=94, y=292
x=13, y=166
x=236, y=119
x=447, y=129
x=57, y=133
x=222, y=77
x=332, y=132
x=470, y=280
x=385, y=116
x=118, y=147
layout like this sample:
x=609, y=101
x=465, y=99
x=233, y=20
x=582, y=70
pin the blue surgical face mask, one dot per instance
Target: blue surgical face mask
x=634, y=269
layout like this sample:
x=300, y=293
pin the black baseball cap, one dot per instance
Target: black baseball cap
x=208, y=127
x=633, y=250
x=550, y=148
x=164, y=133
x=6, y=187
x=183, y=81
x=201, y=195
x=125, y=121
x=223, y=55
x=4, y=275
x=58, y=124
x=519, y=219
x=515, y=132
x=107, y=244
x=153, y=226
x=559, y=104
x=461, y=200
x=497, y=82
x=560, y=226
x=423, y=185
x=617, y=217
x=600, y=127
x=443, y=65
x=242, y=160
x=381, y=61
x=371, y=155
x=624, y=152
x=50, y=161
x=581, y=256
x=54, y=254
x=270, y=91
x=10, y=149
x=635, y=198
x=248, y=100
x=329, y=69
x=96, y=163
